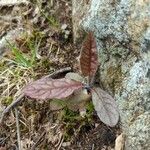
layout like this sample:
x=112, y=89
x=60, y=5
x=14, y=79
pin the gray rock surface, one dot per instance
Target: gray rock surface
x=11, y=36
x=12, y=2
x=122, y=30
x=11, y=22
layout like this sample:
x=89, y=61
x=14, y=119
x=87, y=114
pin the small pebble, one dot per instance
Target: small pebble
x=66, y=144
x=83, y=113
x=64, y=26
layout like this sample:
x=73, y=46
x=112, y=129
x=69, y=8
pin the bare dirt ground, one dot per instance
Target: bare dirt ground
x=43, y=34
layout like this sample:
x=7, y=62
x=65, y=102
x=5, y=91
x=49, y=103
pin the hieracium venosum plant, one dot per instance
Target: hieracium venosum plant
x=73, y=84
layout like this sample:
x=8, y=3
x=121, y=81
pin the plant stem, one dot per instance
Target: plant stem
x=18, y=129
x=88, y=81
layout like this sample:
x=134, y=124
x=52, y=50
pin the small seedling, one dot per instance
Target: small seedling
x=20, y=58
x=24, y=59
x=48, y=88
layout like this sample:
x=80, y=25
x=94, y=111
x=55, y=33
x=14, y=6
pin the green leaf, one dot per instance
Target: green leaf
x=20, y=58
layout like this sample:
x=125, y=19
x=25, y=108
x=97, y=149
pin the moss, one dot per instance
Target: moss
x=114, y=77
x=74, y=122
x=7, y=101
x=90, y=108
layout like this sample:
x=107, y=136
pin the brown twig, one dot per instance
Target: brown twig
x=58, y=73
x=18, y=129
x=20, y=98
x=13, y=104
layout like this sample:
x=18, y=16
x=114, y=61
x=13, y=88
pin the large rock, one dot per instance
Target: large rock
x=122, y=30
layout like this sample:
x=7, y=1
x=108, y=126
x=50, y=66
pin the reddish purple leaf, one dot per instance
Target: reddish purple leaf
x=105, y=107
x=47, y=88
x=88, y=56
x=2, y=148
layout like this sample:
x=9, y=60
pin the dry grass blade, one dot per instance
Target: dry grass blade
x=38, y=141
x=88, y=57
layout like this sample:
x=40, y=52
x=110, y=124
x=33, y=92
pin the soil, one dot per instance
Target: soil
x=41, y=128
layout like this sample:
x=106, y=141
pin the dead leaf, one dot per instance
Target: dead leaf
x=47, y=88
x=74, y=76
x=78, y=100
x=105, y=107
x=120, y=141
x=2, y=148
x=88, y=56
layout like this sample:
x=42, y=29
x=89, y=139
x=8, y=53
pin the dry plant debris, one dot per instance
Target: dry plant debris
x=43, y=46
